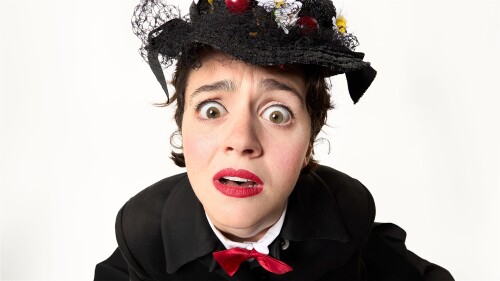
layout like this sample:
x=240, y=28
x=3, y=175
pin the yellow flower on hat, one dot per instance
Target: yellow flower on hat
x=340, y=22
x=279, y=3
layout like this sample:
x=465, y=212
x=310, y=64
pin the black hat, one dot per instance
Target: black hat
x=259, y=32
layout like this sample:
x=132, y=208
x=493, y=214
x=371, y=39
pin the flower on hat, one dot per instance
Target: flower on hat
x=341, y=23
x=285, y=11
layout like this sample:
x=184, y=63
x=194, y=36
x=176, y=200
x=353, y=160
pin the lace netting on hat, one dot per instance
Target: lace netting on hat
x=148, y=16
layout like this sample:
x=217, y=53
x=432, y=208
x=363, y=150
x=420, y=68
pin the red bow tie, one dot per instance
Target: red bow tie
x=231, y=259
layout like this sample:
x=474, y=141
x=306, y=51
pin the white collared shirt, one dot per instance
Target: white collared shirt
x=261, y=246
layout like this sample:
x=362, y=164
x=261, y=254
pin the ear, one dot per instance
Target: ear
x=308, y=155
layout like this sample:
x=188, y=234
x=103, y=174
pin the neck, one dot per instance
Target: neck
x=253, y=233
x=253, y=238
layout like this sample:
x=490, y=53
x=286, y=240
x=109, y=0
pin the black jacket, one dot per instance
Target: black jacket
x=163, y=234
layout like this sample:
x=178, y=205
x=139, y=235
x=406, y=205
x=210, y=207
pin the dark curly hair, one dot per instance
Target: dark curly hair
x=318, y=100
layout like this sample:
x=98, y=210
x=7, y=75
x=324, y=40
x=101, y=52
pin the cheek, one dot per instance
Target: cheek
x=288, y=156
x=196, y=146
x=199, y=143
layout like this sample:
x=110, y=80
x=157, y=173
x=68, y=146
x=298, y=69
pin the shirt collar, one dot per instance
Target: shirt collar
x=312, y=213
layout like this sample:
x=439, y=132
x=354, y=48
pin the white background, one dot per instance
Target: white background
x=79, y=133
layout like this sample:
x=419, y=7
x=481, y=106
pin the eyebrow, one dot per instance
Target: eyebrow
x=267, y=84
x=218, y=86
x=270, y=84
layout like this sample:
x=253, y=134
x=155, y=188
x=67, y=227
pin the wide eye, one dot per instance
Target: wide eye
x=277, y=114
x=211, y=110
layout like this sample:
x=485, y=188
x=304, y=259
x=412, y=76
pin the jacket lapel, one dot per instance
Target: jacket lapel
x=185, y=230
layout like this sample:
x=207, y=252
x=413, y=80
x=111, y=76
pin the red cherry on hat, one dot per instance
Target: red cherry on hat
x=308, y=25
x=237, y=6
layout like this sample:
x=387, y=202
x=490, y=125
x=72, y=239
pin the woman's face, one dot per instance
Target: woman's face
x=245, y=134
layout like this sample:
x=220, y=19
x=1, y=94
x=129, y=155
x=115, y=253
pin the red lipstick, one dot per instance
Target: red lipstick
x=237, y=183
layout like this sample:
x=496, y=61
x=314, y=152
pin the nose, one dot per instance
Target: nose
x=242, y=136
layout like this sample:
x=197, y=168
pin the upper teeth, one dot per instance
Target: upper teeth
x=236, y=179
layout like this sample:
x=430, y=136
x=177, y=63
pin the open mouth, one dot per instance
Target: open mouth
x=237, y=181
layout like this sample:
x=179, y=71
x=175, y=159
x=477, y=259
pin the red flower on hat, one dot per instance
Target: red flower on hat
x=238, y=6
x=308, y=25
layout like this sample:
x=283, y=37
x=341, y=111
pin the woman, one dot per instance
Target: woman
x=251, y=98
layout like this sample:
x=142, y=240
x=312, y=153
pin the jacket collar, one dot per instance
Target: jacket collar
x=185, y=229
x=312, y=213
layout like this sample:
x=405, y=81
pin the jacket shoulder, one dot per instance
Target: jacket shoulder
x=138, y=227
